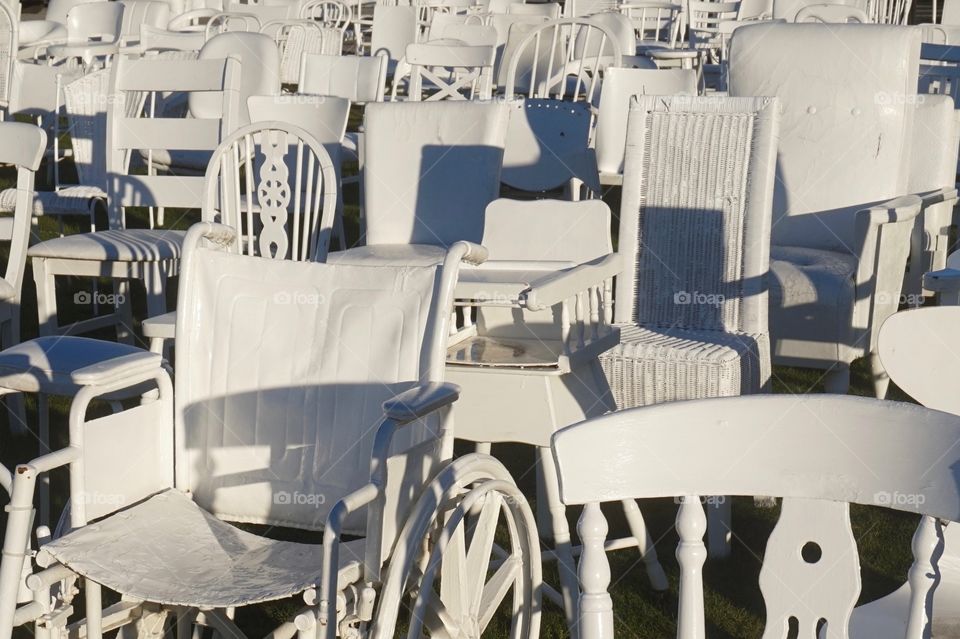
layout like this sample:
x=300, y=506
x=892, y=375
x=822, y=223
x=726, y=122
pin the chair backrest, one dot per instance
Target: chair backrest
x=655, y=21
x=394, y=27
x=8, y=50
x=85, y=100
x=360, y=79
x=951, y=13
x=448, y=71
x=918, y=351
x=263, y=12
x=331, y=14
x=141, y=79
x=260, y=72
x=789, y=9
x=706, y=16
x=695, y=214
x=142, y=13
x=940, y=70
x=548, y=10
x=275, y=184
x=21, y=145
x=154, y=39
x=845, y=137
x=832, y=14
x=544, y=64
x=587, y=45
x=57, y=9
x=471, y=34
x=567, y=233
x=815, y=449
x=618, y=86
x=253, y=426
x=231, y=21
x=294, y=38
x=511, y=30
x=581, y=8
x=548, y=144
x=95, y=21
x=430, y=170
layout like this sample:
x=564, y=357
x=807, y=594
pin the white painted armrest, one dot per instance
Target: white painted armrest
x=161, y=326
x=557, y=287
x=130, y=367
x=420, y=401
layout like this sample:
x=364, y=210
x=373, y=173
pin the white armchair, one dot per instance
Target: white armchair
x=843, y=212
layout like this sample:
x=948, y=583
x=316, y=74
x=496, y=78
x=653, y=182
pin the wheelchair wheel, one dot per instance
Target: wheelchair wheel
x=467, y=562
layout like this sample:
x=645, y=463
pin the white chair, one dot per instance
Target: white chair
x=330, y=14
x=548, y=10
x=419, y=157
x=139, y=254
x=832, y=14
x=842, y=228
x=446, y=70
x=9, y=43
x=533, y=323
x=52, y=29
x=817, y=452
x=296, y=38
x=656, y=23
x=477, y=35
x=373, y=411
x=154, y=39
x=138, y=14
x=93, y=33
x=916, y=348
x=618, y=86
x=704, y=27
x=394, y=27
x=228, y=22
x=273, y=185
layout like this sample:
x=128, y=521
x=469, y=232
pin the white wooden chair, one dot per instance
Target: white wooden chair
x=916, y=348
x=817, y=452
x=656, y=22
x=299, y=37
x=9, y=43
x=394, y=27
x=370, y=457
x=227, y=22
x=832, y=14
x=445, y=70
x=93, y=35
x=842, y=228
x=329, y=14
x=150, y=255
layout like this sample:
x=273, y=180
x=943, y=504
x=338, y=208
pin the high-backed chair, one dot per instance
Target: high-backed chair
x=446, y=70
x=843, y=213
x=817, y=452
x=430, y=170
x=124, y=253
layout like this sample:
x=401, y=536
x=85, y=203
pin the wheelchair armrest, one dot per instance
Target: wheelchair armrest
x=420, y=401
x=557, y=287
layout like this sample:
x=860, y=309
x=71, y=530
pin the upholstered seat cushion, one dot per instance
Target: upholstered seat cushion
x=131, y=245
x=170, y=551
x=71, y=200
x=811, y=287
x=49, y=364
x=654, y=365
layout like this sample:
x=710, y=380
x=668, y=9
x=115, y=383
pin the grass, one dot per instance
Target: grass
x=733, y=601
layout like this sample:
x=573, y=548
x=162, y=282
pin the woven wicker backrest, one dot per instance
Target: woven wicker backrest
x=695, y=217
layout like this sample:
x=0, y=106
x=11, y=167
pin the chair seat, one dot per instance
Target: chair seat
x=504, y=352
x=162, y=326
x=412, y=254
x=49, y=364
x=71, y=200
x=654, y=365
x=168, y=550
x=812, y=293
x=131, y=245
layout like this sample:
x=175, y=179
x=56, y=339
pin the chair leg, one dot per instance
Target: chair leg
x=879, y=377
x=124, y=310
x=46, y=297
x=569, y=583
x=43, y=434
x=94, y=609
x=837, y=379
x=648, y=552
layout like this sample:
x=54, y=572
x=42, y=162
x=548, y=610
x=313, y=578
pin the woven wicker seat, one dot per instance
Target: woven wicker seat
x=692, y=309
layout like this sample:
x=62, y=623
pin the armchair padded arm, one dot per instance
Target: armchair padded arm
x=562, y=285
x=125, y=366
x=420, y=401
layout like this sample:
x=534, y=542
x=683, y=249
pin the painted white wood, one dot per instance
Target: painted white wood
x=817, y=452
